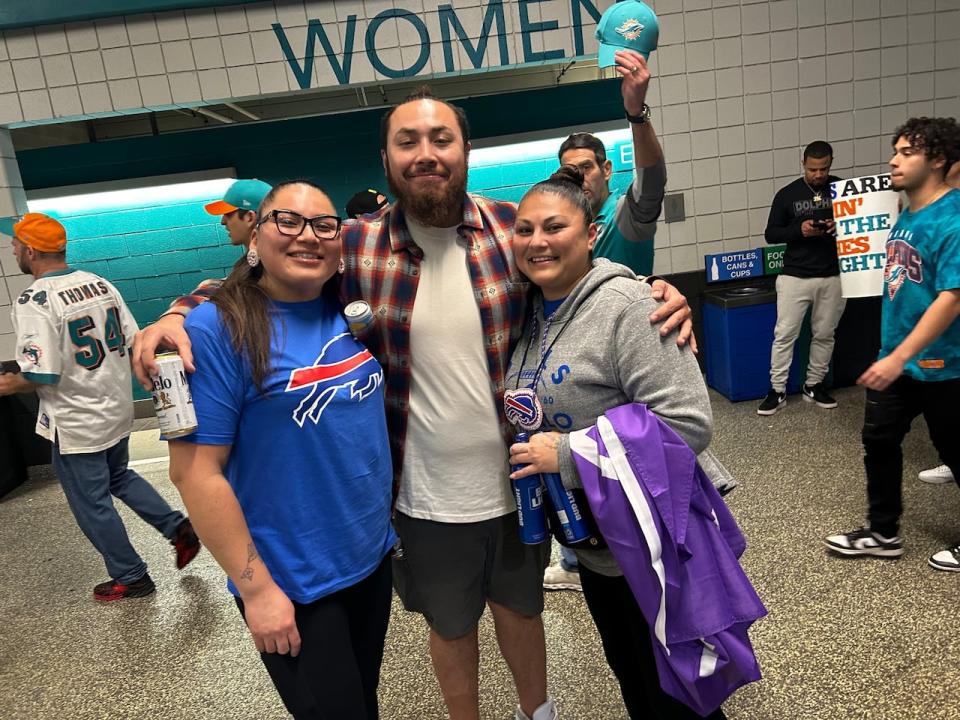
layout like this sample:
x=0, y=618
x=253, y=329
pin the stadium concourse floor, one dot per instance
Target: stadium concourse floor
x=844, y=638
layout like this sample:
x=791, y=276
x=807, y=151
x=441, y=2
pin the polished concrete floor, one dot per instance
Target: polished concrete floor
x=844, y=638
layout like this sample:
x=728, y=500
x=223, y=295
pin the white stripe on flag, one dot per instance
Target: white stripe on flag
x=708, y=659
x=586, y=448
x=644, y=514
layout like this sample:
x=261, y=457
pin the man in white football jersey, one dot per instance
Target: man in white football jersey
x=73, y=330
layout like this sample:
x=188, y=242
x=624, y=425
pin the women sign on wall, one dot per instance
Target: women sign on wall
x=864, y=208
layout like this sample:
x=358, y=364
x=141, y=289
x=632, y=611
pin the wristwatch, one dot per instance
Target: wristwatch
x=642, y=118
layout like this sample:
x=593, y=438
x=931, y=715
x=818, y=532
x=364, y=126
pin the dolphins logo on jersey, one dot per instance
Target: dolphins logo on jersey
x=630, y=29
x=32, y=352
x=903, y=263
x=343, y=364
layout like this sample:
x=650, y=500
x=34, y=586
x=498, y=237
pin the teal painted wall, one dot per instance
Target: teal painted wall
x=152, y=254
x=152, y=250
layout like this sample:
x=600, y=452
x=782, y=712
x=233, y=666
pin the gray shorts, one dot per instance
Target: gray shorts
x=448, y=571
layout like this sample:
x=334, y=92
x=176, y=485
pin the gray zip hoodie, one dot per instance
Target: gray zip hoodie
x=602, y=352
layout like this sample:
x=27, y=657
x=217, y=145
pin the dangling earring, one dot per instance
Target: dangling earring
x=341, y=267
x=253, y=257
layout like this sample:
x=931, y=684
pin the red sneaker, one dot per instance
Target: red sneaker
x=186, y=543
x=109, y=591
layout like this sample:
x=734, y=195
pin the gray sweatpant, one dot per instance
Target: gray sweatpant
x=794, y=296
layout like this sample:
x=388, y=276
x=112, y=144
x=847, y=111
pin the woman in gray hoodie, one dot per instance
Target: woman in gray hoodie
x=587, y=347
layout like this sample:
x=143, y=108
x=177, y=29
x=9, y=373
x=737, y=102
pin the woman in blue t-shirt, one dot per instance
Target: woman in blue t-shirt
x=288, y=476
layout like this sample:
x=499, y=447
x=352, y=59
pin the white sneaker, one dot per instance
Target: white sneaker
x=556, y=578
x=948, y=559
x=547, y=711
x=936, y=476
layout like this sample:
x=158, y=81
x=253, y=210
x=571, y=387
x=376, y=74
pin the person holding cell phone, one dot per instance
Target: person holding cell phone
x=801, y=217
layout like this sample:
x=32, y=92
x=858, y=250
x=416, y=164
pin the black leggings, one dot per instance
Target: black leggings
x=336, y=674
x=628, y=649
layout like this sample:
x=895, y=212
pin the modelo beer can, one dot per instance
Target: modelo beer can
x=528, y=492
x=359, y=317
x=568, y=510
x=171, y=398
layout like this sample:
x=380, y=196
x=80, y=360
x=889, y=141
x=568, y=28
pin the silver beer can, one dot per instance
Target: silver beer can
x=171, y=398
x=359, y=316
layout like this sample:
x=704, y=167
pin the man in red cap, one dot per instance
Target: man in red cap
x=73, y=330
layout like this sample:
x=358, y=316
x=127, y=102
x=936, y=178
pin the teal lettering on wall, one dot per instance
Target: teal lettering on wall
x=475, y=41
x=448, y=18
x=527, y=28
x=316, y=32
x=577, y=17
x=371, y=45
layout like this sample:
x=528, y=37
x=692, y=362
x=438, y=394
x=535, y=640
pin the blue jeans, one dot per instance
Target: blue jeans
x=88, y=481
x=568, y=560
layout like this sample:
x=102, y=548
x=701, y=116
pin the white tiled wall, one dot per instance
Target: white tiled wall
x=742, y=86
x=182, y=58
x=12, y=202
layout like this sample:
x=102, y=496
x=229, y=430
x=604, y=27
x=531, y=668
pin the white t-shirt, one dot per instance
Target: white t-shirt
x=73, y=336
x=455, y=458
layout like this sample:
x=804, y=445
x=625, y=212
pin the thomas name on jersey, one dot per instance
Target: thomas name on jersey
x=83, y=292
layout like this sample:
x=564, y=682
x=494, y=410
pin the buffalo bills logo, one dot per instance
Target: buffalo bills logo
x=903, y=263
x=630, y=29
x=343, y=364
x=522, y=407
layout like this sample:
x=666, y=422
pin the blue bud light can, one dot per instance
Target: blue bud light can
x=528, y=492
x=568, y=511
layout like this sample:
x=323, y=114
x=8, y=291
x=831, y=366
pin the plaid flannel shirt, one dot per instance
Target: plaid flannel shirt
x=382, y=267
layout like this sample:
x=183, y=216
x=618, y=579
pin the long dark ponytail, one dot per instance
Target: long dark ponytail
x=247, y=310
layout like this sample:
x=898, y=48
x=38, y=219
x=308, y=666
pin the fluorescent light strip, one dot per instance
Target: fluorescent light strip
x=536, y=149
x=136, y=197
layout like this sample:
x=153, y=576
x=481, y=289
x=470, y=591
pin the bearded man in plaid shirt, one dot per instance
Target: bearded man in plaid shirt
x=437, y=269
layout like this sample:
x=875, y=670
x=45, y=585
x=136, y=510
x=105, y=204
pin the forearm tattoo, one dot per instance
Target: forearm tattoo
x=247, y=573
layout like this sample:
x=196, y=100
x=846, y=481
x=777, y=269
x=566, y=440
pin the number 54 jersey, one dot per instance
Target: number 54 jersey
x=73, y=335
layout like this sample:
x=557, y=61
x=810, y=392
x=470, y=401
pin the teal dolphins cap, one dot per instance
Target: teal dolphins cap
x=6, y=225
x=629, y=25
x=242, y=195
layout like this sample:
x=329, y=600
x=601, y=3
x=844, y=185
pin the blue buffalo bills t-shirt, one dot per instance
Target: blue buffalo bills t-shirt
x=310, y=459
x=923, y=260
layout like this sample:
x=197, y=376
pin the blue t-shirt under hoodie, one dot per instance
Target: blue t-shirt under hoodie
x=923, y=260
x=310, y=459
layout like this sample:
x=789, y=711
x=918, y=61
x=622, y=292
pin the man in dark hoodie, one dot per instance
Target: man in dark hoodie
x=802, y=217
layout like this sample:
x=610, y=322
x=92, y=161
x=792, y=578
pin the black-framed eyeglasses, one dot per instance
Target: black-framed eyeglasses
x=290, y=223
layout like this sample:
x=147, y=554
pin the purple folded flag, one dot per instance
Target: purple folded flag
x=678, y=546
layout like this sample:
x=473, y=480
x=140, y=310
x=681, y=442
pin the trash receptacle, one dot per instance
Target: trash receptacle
x=738, y=332
x=13, y=470
x=19, y=441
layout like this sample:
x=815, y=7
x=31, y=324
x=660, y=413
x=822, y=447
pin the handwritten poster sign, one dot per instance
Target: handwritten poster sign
x=864, y=209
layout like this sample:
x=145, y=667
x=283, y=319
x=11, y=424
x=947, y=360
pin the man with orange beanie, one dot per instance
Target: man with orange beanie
x=73, y=330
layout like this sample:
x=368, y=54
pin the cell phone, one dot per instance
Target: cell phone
x=820, y=224
x=9, y=366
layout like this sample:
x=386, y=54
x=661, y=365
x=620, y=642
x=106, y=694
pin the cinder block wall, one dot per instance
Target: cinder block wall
x=152, y=253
